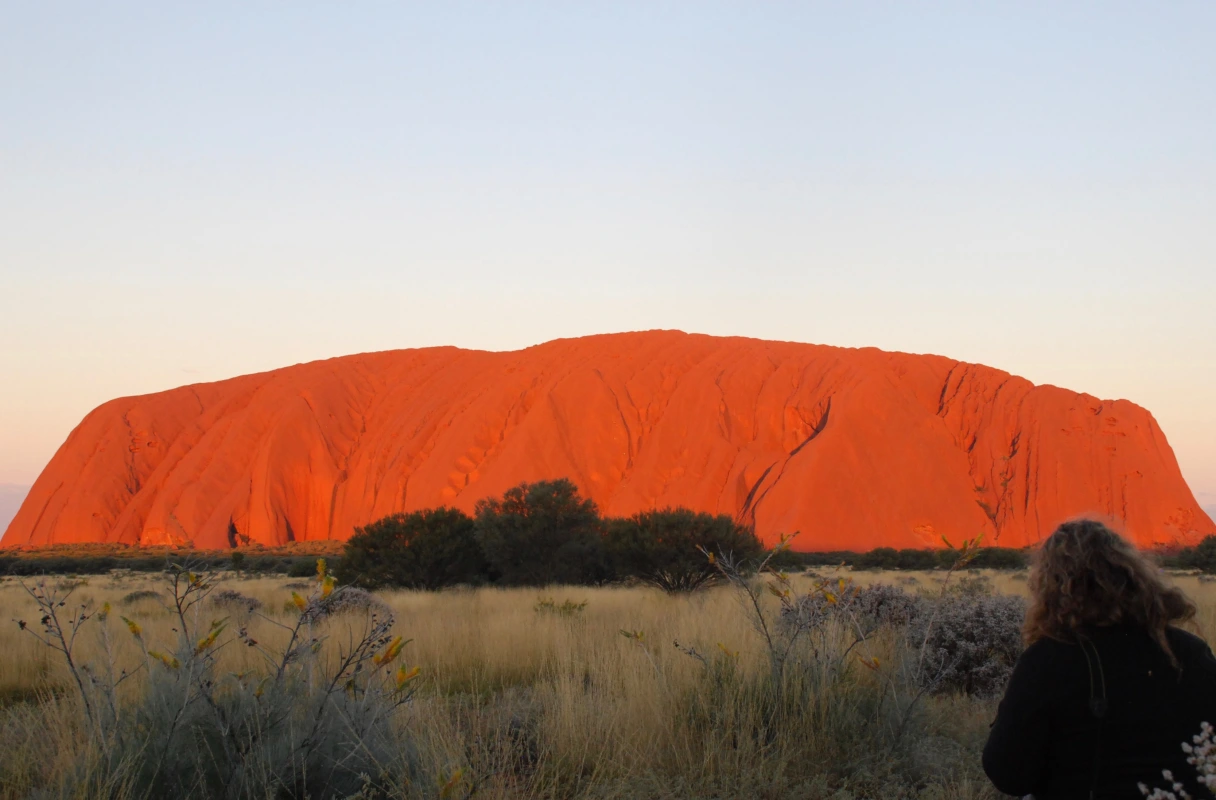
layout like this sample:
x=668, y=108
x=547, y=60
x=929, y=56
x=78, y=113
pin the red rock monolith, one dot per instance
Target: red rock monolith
x=852, y=448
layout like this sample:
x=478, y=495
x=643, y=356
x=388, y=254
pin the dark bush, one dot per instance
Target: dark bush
x=1001, y=558
x=786, y=559
x=422, y=550
x=302, y=567
x=235, y=601
x=352, y=599
x=661, y=547
x=878, y=558
x=542, y=533
x=140, y=595
x=918, y=559
x=1201, y=557
x=912, y=559
x=263, y=564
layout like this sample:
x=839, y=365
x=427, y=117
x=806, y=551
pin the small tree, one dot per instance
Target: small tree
x=423, y=550
x=541, y=533
x=1202, y=556
x=665, y=547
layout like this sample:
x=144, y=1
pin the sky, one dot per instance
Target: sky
x=190, y=192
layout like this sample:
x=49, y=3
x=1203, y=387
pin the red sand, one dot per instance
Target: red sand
x=853, y=448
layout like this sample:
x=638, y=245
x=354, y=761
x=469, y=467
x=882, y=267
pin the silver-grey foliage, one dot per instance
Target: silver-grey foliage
x=972, y=642
x=314, y=721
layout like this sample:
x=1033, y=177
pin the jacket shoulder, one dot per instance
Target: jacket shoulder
x=1187, y=646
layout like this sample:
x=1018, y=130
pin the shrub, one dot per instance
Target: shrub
x=310, y=724
x=918, y=559
x=352, y=599
x=1201, y=557
x=422, y=550
x=541, y=533
x=568, y=608
x=300, y=568
x=233, y=600
x=262, y=564
x=868, y=608
x=667, y=547
x=878, y=558
x=139, y=596
x=970, y=642
x=144, y=564
x=884, y=605
x=1001, y=558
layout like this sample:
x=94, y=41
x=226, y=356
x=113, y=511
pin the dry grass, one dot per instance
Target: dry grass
x=534, y=703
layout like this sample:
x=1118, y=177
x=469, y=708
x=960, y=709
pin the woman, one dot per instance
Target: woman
x=1107, y=689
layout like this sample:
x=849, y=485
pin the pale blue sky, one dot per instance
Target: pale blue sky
x=193, y=192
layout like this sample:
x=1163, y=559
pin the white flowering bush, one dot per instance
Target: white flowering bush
x=970, y=642
x=1201, y=754
x=871, y=607
x=966, y=640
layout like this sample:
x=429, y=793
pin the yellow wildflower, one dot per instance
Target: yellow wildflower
x=168, y=661
x=133, y=626
x=389, y=653
x=105, y=611
x=320, y=569
x=208, y=640
x=404, y=676
x=447, y=787
x=327, y=586
x=300, y=602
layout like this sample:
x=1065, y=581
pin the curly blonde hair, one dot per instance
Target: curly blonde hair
x=1085, y=574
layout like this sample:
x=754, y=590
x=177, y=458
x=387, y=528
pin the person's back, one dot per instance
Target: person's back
x=1105, y=694
x=1048, y=741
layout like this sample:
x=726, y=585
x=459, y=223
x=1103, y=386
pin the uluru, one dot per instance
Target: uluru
x=852, y=448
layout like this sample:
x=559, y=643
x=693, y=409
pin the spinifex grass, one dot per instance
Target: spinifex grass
x=511, y=702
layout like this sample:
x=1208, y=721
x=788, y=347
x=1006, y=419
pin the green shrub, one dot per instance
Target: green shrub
x=301, y=568
x=541, y=533
x=568, y=608
x=423, y=550
x=1201, y=557
x=878, y=558
x=667, y=547
x=1001, y=558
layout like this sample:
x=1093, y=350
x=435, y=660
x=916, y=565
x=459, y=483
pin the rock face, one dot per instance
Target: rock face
x=854, y=449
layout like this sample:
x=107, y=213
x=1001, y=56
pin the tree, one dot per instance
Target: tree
x=665, y=547
x=541, y=533
x=422, y=550
x=1202, y=556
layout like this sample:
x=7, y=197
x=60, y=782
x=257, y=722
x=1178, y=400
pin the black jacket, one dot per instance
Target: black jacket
x=1045, y=738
